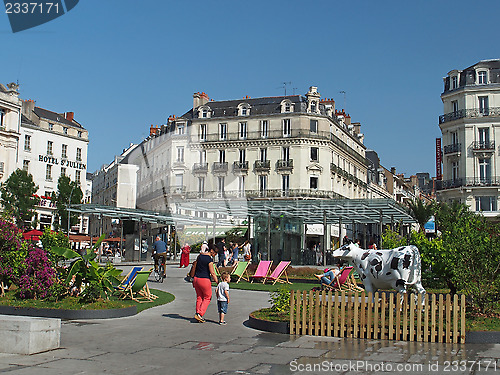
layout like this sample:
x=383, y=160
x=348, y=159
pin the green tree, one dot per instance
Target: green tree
x=68, y=192
x=17, y=195
x=421, y=212
x=392, y=239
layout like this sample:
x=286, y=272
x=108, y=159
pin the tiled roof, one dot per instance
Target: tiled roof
x=53, y=116
x=266, y=105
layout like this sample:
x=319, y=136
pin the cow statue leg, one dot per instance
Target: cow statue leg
x=420, y=290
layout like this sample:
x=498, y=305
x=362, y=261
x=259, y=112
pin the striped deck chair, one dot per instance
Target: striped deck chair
x=240, y=271
x=262, y=271
x=138, y=290
x=280, y=270
x=128, y=278
x=339, y=281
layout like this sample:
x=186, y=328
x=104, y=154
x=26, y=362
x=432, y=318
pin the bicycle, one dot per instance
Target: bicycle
x=158, y=274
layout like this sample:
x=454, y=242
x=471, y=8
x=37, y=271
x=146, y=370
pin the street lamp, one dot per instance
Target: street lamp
x=69, y=204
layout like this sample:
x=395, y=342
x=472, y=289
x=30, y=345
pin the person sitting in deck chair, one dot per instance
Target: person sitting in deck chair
x=328, y=275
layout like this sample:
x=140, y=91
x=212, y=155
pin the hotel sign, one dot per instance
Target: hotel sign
x=64, y=162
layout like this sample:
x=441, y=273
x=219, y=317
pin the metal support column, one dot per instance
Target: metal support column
x=325, y=238
x=364, y=236
x=213, y=227
x=380, y=230
x=140, y=239
x=121, y=237
x=340, y=232
x=269, y=236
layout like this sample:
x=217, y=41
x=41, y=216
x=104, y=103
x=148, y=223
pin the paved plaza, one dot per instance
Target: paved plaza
x=166, y=340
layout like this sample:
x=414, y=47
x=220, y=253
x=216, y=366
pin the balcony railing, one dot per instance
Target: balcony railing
x=220, y=167
x=274, y=134
x=200, y=168
x=284, y=164
x=262, y=165
x=453, y=148
x=240, y=166
x=177, y=190
x=483, y=146
x=336, y=169
x=469, y=113
x=472, y=182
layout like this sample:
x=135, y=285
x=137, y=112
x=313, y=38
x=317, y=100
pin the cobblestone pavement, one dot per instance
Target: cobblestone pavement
x=167, y=340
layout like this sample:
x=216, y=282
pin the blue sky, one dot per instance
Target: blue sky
x=122, y=65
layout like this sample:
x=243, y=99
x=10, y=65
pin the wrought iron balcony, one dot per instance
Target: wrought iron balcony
x=469, y=113
x=220, y=167
x=472, y=182
x=334, y=168
x=284, y=164
x=277, y=134
x=453, y=148
x=200, y=168
x=483, y=146
x=262, y=165
x=177, y=190
x=240, y=166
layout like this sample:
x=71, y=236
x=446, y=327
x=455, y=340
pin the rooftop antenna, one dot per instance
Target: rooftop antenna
x=343, y=92
x=295, y=88
x=284, y=85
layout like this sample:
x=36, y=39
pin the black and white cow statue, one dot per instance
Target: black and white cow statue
x=397, y=269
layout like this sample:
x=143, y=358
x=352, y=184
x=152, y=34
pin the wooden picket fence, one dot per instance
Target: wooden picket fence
x=441, y=318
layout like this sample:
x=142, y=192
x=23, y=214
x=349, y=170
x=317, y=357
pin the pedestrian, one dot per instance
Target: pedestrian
x=346, y=240
x=204, y=247
x=247, y=251
x=373, y=245
x=328, y=275
x=318, y=255
x=160, y=252
x=201, y=271
x=222, y=293
x=234, y=254
x=185, y=250
x=221, y=248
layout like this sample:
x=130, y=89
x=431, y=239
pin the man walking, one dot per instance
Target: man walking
x=221, y=248
x=160, y=251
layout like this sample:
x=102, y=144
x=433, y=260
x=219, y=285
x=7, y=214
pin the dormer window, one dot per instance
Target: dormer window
x=482, y=77
x=313, y=107
x=454, y=82
x=204, y=112
x=244, y=109
x=286, y=106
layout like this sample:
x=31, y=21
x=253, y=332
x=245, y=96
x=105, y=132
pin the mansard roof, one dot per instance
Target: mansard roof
x=260, y=106
x=53, y=116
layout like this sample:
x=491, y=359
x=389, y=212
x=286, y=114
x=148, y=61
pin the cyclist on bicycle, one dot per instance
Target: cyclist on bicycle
x=160, y=252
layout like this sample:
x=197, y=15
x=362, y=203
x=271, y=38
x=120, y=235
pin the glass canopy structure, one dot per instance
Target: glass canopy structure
x=279, y=225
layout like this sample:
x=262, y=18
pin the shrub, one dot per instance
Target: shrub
x=37, y=277
x=57, y=291
x=391, y=240
x=92, y=292
x=10, y=236
x=280, y=299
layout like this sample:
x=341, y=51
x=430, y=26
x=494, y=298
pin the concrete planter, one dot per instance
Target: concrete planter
x=69, y=314
x=267, y=325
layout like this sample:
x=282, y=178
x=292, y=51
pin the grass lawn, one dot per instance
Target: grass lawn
x=271, y=288
x=72, y=303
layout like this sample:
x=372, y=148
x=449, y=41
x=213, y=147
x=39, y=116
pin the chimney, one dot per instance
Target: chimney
x=69, y=116
x=200, y=99
x=393, y=170
x=28, y=107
